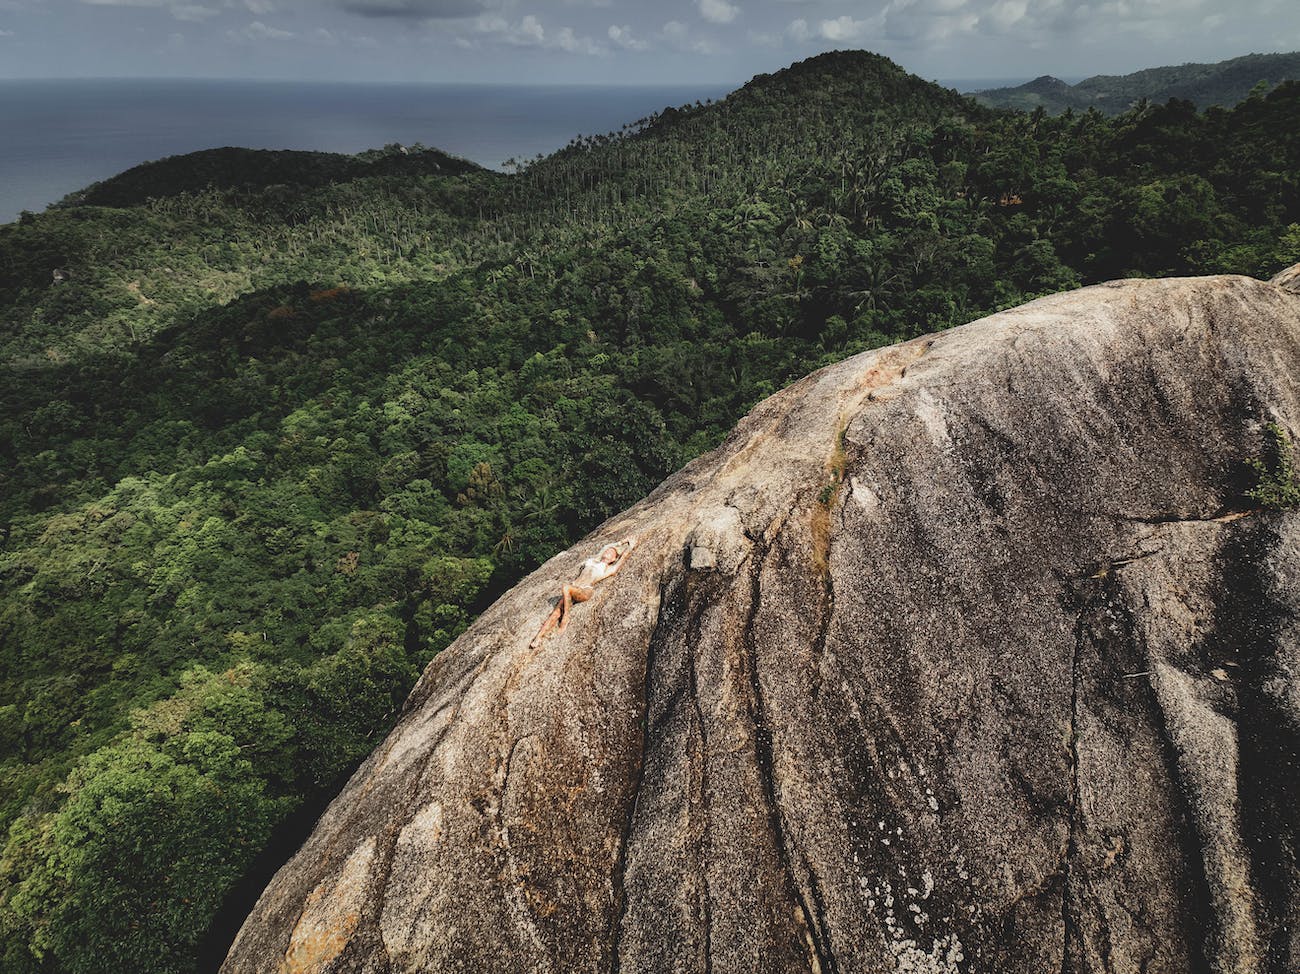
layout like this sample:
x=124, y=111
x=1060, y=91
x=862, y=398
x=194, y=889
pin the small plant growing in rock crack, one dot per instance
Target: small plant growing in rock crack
x=820, y=523
x=835, y=465
x=1276, y=488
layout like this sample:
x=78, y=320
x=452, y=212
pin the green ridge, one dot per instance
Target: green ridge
x=1223, y=84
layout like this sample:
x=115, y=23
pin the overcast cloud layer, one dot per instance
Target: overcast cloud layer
x=618, y=41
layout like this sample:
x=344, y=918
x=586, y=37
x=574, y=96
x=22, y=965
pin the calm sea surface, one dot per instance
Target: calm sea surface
x=60, y=136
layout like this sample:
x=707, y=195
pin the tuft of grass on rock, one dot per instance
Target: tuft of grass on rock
x=1276, y=488
x=820, y=523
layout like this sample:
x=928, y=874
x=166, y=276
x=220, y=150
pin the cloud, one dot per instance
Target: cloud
x=941, y=28
x=1006, y=13
x=258, y=31
x=335, y=38
x=530, y=32
x=624, y=38
x=193, y=13
x=838, y=30
x=566, y=39
x=843, y=28
x=157, y=4
x=718, y=11
x=415, y=9
x=906, y=21
x=6, y=33
x=259, y=7
x=679, y=37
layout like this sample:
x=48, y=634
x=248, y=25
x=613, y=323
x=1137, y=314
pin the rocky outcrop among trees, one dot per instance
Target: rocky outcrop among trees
x=968, y=654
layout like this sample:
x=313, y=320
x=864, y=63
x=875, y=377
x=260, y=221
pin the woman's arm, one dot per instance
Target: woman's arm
x=622, y=555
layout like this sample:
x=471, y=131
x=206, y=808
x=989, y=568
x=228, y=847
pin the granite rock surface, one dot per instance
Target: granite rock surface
x=964, y=655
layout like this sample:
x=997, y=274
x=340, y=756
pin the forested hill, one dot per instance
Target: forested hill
x=840, y=117
x=251, y=169
x=1224, y=83
x=269, y=441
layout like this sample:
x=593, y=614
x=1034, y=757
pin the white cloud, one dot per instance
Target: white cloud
x=189, y=12
x=679, y=37
x=843, y=28
x=908, y=21
x=6, y=33
x=259, y=7
x=624, y=38
x=1006, y=13
x=718, y=11
x=258, y=31
x=941, y=28
x=337, y=38
x=838, y=30
x=530, y=32
x=193, y=13
x=567, y=40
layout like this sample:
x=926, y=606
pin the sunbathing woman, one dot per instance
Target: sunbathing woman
x=593, y=570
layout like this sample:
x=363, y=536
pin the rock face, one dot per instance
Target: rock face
x=963, y=655
x=1289, y=278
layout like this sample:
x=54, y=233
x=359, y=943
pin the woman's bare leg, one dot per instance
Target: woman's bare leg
x=572, y=594
x=548, y=625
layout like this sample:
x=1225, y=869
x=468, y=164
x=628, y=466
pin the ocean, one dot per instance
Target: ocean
x=60, y=136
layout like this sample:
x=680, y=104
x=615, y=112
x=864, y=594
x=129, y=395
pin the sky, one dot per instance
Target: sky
x=611, y=42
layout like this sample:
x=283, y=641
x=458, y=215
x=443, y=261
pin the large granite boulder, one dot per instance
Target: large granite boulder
x=968, y=654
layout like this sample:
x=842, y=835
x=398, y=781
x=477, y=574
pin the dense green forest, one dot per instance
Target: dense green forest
x=1224, y=83
x=280, y=427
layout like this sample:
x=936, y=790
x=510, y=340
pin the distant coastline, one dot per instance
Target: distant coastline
x=62, y=135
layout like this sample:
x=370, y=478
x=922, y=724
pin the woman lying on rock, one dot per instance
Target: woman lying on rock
x=580, y=589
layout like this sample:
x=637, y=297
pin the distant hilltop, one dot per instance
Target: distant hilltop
x=1225, y=83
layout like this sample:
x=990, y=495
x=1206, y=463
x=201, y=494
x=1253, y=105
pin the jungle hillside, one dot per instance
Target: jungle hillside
x=275, y=427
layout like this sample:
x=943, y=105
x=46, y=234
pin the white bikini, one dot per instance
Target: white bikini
x=598, y=568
